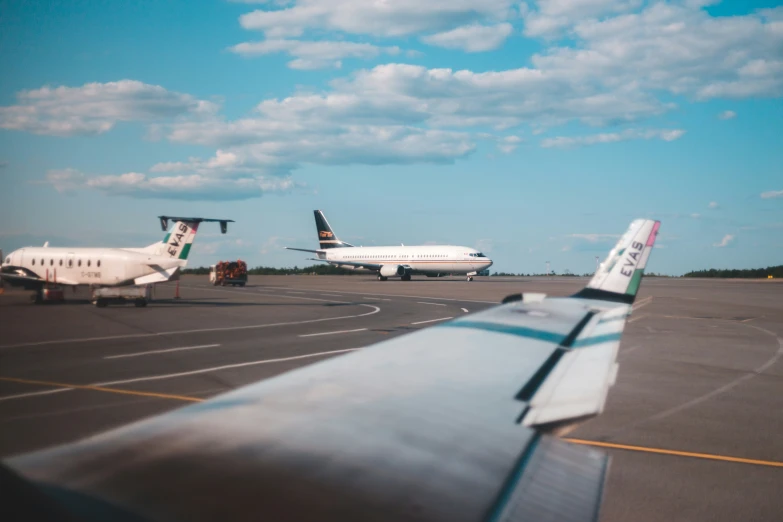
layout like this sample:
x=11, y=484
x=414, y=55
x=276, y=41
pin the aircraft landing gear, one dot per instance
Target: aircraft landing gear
x=381, y=278
x=470, y=278
x=406, y=277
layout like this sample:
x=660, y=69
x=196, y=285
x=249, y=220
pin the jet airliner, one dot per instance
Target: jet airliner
x=396, y=261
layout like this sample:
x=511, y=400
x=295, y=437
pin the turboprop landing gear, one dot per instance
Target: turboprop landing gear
x=381, y=278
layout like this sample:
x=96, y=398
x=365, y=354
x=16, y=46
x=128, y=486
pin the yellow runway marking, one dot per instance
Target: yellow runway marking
x=660, y=451
x=103, y=389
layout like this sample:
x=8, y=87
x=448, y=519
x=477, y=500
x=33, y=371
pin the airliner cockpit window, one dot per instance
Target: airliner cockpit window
x=480, y=255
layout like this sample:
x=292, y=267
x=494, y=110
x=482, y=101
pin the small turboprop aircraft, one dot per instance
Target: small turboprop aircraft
x=458, y=422
x=36, y=268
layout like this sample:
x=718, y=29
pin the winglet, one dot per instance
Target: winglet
x=618, y=277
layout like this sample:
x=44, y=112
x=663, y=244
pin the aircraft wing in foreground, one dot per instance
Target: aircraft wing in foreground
x=455, y=422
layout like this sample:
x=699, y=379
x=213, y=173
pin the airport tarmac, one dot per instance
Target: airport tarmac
x=693, y=423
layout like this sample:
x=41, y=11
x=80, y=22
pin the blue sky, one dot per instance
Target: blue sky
x=533, y=131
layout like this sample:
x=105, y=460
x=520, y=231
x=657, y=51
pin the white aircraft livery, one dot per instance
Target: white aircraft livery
x=396, y=261
x=36, y=267
x=459, y=422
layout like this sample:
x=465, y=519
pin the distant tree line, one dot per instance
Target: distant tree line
x=748, y=273
x=326, y=269
x=320, y=269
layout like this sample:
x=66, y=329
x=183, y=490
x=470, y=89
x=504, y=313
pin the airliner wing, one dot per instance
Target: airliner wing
x=31, y=281
x=456, y=422
x=357, y=264
x=303, y=250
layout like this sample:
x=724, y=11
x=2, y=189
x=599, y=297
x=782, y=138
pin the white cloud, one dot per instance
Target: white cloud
x=509, y=144
x=728, y=238
x=696, y=215
x=594, y=238
x=678, y=48
x=65, y=180
x=188, y=186
x=313, y=54
x=727, y=115
x=397, y=18
x=612, y=137
x=713, y=205
x=95, y=108
x=772, y=194
x=550, y=17
x=472, y=38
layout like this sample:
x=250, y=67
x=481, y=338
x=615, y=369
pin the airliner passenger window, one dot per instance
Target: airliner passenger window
x=61, y=262
x=99, y=263
x=79, y=262
x=88, y=262
x=33, y=261
x=51, y=262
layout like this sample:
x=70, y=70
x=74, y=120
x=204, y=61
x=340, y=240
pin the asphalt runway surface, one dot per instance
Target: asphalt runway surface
x=693, y=423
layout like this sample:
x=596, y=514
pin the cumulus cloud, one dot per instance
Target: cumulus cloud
x=472, y=38
x=509, y=144
x=398, y=18
x=727, y=239
x=727, y=115
x=678, y=48
x=594, y=238
x=181, y=186
x=548, y=18
x=772, y=194
x=65, y=180
x=612, y=137
x=313, y=54
x=95, y=108
x=713, y=205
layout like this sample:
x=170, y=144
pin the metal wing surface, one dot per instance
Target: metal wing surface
x=456, y=422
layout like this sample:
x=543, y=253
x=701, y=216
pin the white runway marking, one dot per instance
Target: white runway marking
x=375, y=299
x=296, y=292
x=332, y=333
x=376, y=309
x=634, y=319
x=434, y=320
x=151, y=352
x=464, y=310
x=433, y=304
x=332, y=295
x=184, y=374
x=641, y=304
x=343, y=294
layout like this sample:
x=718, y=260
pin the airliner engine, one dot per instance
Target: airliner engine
x=394, y=270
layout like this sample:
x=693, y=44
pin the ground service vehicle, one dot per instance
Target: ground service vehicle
x=228, y=273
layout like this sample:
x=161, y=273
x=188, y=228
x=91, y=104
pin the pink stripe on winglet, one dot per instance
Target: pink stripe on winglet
x=653, y=234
